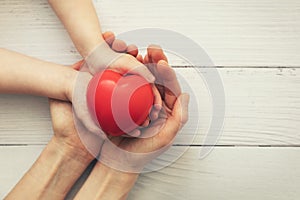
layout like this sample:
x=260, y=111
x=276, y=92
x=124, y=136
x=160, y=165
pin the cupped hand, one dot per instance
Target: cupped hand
x=65, y=131
x=120, y=58
x=132, y=154
x=63, y=121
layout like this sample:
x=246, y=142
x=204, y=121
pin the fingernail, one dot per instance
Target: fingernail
x=135, y=133
x=163, y=62
x=151, y=78
x=157, y=106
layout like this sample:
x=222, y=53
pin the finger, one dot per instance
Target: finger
x=146, y=59
x=60, y=113
x=157, y=98
x=155, y=53
x=152, y=68
x=171, y=86
x=180, y=111
x=157, y=104
x=178, y=118
x=153, y=129
x=140, y=58
x=126, y=136
x=154, y=114
x=135, y=67
x=77, y=65
x=161, y=89
x=146, y=122
x=132, y=50
x=134, y=133
x=109, y=37
x=119, y=46
x=158, y=82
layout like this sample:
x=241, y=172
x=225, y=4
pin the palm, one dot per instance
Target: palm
x=63, y=124
x=152, y=137
x=131, y=154
x=169, y=90
x=63, y=120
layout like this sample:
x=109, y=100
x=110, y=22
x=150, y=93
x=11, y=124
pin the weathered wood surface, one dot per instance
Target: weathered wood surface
x=233, y=32
x=262, y=108
x=227, y=173
x=256, y=43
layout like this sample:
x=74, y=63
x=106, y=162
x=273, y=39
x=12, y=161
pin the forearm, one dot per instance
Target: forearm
x=80, y=19
x=23, y=74
x=52, y=175
x=106, y=183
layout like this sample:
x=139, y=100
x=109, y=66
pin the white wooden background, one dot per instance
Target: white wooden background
x=255, y=43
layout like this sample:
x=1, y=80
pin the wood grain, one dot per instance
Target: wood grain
x=24, y=120
x=262, y=108
x=232, y=32
x=227, y=173
x=255, y=43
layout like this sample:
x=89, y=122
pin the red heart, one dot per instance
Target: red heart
x=119, y=103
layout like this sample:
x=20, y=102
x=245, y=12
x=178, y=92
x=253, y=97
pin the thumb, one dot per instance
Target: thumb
x=135, y=67
x=180, y=110
x=178, y=118
x=77, y=65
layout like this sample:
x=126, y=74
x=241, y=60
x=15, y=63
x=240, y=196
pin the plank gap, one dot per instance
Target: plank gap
x=235, y=67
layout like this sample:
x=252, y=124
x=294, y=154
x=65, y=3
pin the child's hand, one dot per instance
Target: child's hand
x=83, y=79
x=112, y=55
x=119, y=57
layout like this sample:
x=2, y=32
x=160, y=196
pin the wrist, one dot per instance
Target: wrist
x=100, y=57
x=107, y=183
x=81, y=21
x=116, y=184
x=117, y=178
x=90, y=45
x=51, y=176
x=69, y=82
x=79, y=154
x=64, y=161
x=58, y=168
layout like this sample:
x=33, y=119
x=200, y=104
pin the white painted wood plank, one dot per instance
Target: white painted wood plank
x=15, y=161
x=227, y=173
x=233, y=32
x=262, y=108
x=24, y=120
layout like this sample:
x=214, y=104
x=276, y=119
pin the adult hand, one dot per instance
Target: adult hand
x=132, y=154
x=121, y=158
x=63, y=118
